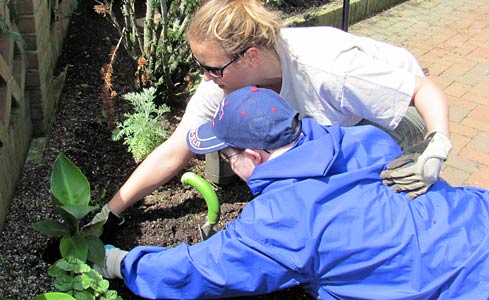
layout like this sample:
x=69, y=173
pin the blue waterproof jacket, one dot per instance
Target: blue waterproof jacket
x=324, y=220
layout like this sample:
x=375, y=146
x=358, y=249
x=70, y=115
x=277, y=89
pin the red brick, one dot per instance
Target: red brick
x=438, y=67
x=481, y=99
x=454, y=176
x=440, y=81
x=477, y=156
x=26, y=24
x=479, y=178
x=479, y=54
x=457, y=89
x=461, y=163
x=458, y=142
x=462, y=130
x=461, y=102
x=457, y=113
x=480, y=113
x=26, y=7
x=481, y=89
x=476, y=124
x=458, y=69
x=480, y=142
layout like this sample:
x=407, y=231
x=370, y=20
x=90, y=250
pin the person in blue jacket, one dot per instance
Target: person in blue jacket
x=321, y=219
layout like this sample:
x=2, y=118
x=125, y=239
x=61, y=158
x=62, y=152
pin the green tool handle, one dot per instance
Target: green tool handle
x=210, y=197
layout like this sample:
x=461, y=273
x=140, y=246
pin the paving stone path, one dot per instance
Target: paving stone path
x=451, y=39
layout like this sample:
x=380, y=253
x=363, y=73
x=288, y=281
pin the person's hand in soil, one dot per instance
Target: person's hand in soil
x=107, y=221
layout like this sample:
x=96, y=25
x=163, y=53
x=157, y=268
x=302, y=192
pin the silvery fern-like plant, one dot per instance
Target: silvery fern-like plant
x=143, y=129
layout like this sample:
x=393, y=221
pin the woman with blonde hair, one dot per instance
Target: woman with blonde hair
x=324, y=73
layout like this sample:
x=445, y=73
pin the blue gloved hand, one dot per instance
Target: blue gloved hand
x=113, y=259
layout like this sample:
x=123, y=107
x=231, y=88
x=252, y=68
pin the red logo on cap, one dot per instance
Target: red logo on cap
x=220, y=113
x=194, y=141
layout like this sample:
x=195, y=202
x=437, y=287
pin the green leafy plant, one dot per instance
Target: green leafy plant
x=74, y=279
x=53, y=296
x=70, y=192
x=4, y=23
x=142, y=130
x=153, y=34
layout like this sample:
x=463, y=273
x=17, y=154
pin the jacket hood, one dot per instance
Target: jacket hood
x=321, y=143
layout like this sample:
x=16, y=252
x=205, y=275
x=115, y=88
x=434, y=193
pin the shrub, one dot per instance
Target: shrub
x=155, y=41
x=142, y=130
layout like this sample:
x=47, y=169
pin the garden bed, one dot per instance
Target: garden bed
x=168, y=217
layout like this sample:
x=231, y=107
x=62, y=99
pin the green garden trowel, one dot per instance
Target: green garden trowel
x=213, y=208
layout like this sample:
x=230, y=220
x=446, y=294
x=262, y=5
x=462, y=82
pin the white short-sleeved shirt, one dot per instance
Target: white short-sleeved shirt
x=334, y=77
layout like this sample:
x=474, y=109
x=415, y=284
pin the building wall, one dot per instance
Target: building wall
x=29, y=89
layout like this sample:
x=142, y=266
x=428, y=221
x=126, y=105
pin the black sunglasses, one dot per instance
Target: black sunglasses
x=216, y=72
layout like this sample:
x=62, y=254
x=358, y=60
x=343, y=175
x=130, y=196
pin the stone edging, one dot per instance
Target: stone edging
x=331, y=14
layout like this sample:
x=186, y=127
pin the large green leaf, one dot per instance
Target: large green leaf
x=51, y=228
x=84, y=295
x=69, y=220
x=96, y=250
x=95, y=229
x=78, y=211
x=54, y=296
x=82, y=282
x=68, y=184
x=69, y=264
x=64, y=282
x=75, y=246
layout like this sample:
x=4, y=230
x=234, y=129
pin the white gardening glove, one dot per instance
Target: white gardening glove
x=103, y=223
x=418, y=167
x=113, y=259
x=104, y=215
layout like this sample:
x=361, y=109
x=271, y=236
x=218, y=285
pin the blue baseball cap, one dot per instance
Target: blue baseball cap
x=248, y=118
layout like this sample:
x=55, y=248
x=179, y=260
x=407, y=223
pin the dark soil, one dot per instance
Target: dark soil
x=167, y=217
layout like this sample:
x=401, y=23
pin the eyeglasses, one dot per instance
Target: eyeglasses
x=227, y=158
x=216, y=72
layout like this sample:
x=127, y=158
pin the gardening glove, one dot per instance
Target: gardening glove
x=418, y=167
x=106, y=216
x=104, y=222
x=113, y=259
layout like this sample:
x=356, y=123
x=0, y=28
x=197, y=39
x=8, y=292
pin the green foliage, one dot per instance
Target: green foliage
x=54, y=296
x=71, y=196
x=276, y=3
x=142, y=130
x=311, y=19
x=284, y=3
x=76, y=280
x=4, y=27
x=155, y=42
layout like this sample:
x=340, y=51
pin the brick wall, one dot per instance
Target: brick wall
x=29, y=89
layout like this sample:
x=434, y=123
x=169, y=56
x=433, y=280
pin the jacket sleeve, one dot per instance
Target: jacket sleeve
x=222, y=266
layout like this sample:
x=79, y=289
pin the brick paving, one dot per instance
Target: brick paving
x=451, y=39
